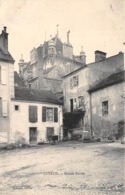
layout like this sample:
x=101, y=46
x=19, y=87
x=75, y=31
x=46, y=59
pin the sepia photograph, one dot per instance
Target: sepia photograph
x=62, y=97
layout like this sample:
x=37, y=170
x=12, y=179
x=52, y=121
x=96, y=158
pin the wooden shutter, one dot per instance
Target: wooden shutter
x=3, y=76
x=55, y=114
x=0, y=107
x=44, y=114
x=4, y=107
x=33, y=114
x=71, y=83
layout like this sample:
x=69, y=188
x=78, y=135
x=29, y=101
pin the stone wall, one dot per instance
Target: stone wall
x=108, y=124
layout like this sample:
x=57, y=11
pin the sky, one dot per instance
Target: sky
x=93, y=24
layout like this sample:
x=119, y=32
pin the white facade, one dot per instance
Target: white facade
x=6, y=93
x=20, y=125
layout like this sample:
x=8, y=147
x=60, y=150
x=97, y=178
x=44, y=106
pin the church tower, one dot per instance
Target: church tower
x=51, y=47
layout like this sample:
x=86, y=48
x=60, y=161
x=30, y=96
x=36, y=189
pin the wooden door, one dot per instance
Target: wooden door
x=49, y=132
x=71, y=105
x=33, y=135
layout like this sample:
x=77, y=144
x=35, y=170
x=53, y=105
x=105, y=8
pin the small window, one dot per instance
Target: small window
x=104, y=108
x=81, y=101
x=4, y=108
x=33, y=114
x=16, y=107
x=3, y=76
x=49, y=114
x=74, y=81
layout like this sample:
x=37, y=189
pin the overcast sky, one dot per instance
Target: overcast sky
x=93, y=24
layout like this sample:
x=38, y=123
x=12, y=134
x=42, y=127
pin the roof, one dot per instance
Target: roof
x=111, y=80
x=17, y=80
x=109, y=60
x=77, y=70
x=26, y=94
x=6, y=56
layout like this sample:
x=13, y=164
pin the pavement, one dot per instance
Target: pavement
x=62, y=169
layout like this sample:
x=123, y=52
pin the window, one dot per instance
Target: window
x=81, y=101
x=16, y=107
x=74, y=81
x=0, y=73
x=104, y=108
x=49, y=132
x=3, y=76
x=0, y=107
x=33, y=114
x=49, y=114
x=4, y=106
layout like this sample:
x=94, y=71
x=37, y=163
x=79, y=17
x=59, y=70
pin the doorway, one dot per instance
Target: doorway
x=71, y=105
x=33, y=135
x=49, y=132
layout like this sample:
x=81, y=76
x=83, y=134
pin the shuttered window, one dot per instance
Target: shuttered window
x=44, y=114
x=0, y=107
x=33, y=114
x=55, y=114
x=0, y=74
x=3, y=76
x=49, y=114
x=4, y=107
x=71, y=83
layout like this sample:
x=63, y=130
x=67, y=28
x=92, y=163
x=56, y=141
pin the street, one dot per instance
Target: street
x=62, y=169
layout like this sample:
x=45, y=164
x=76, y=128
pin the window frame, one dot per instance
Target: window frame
x=33, y=119
x=81, y=101
x=105, y=108
x=15, y=107
x=74, y=81
x=51, y=117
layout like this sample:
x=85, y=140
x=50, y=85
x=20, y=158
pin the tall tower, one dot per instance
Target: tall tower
x=67, y=48
x=51, y=47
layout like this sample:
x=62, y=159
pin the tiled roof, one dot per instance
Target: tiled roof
x=111, y=80
x=116, y=59
x=26, y=94
x=17, y=80
x=6, y=56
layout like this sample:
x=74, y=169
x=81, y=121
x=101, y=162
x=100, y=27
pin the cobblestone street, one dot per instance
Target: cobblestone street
x=63, y=169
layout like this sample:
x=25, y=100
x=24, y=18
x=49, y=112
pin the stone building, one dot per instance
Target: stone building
x=6, y=85
x=77, y=104
x=108, y=105
x=26, y=115
x=49, y=62
x=36, y=115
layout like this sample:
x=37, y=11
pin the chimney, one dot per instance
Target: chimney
x=68, y=37
x=99, y=55
x=82, y=56
x=4, y=40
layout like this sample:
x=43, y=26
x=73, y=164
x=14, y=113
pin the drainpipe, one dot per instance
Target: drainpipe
x=91, y=113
